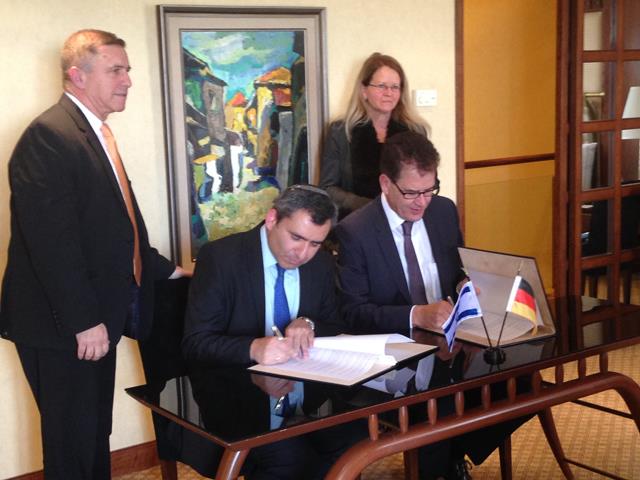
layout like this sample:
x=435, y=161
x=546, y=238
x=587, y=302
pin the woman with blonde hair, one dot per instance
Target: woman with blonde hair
x=379, y=107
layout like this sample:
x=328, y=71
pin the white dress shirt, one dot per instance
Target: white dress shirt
x=422, y=246
x=96, y=125
x=291, y=284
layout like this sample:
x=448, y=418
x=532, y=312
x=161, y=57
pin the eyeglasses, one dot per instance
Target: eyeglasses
x=383, y=87
x=412, y=195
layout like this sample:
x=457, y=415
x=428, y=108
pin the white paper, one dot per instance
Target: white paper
x=338, y=364
x=348, y=358
x=360, y=343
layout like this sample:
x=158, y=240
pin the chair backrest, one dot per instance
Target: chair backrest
x=162, y=359
x=161, y=353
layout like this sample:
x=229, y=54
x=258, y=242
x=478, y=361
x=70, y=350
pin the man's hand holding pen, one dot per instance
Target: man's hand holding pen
x=280, y=348
x=432, y=315
x=300, y=333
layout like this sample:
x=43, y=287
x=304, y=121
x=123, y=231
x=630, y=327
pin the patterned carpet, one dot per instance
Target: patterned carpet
x=607, y=442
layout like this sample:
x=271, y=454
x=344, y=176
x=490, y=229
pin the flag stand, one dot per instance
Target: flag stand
x=494, y=355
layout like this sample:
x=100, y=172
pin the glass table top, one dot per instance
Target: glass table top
x=229, y=404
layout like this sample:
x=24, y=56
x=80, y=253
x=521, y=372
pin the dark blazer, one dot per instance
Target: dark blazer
x=70, y=255
x=225, y=312
x=336, y=168
x=373, y=289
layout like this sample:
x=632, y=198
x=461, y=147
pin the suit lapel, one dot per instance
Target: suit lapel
x=434, y=232
x=307, y=292
x=94, y=144
x=255, y=274
x=388, y=249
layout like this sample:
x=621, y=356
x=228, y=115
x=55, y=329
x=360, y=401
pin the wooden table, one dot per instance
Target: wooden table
x=173, y=400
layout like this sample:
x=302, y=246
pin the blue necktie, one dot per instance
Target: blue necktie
x=284, y=407
x=281, y=316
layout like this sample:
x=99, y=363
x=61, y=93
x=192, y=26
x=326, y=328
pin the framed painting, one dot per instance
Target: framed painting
x=245, y=105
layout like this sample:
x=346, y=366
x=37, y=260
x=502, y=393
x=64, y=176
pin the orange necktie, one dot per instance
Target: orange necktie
x=126, y=193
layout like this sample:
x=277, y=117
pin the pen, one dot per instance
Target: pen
x=276, y=331
x=450, y=300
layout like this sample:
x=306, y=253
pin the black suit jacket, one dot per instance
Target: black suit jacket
x=373, y=289
x=70, y=255
x=225, y=312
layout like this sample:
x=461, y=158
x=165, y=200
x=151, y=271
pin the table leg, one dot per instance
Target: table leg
x=169, y=469
x=549, y=427
x=411, y=465
x=363, y=453
x=505, y=459
x=231, y=464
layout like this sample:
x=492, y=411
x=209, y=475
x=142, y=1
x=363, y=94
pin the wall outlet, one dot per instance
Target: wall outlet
x=426, y=98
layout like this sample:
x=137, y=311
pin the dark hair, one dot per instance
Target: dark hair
x=306, y=197
x=408, y=148
x=80, y=48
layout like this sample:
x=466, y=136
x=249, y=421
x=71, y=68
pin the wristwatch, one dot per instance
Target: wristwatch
x=310, y=323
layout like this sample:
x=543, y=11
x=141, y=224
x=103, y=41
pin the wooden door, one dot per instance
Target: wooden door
x=602, y=43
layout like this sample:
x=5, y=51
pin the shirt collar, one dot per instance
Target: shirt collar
x=395, y=220
x=91, y=117
x=268, y=260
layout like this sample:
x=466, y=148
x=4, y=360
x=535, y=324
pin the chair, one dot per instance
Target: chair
x=596, y=242
x=161, y=356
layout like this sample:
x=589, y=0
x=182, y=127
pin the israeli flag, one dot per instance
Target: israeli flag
x=466, y=307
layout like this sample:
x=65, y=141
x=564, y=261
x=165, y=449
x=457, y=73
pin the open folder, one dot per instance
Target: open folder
x=349, y=359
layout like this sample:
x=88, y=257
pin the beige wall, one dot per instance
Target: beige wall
x=419, y=33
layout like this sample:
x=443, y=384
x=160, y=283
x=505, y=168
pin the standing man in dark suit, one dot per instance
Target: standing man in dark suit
x=398, y=266
x=236, y=298
x=80, y=270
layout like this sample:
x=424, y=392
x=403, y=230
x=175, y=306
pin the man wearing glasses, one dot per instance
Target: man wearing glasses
x=398, y=255
x=398, y=268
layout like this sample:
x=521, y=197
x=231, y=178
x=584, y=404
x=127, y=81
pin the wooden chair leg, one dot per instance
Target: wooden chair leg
x=169, y=469
x=506, y=467
x=548, y=425
x=411, y=464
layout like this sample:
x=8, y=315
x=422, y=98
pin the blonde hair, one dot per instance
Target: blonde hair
x=403, y=113
x=80, y=48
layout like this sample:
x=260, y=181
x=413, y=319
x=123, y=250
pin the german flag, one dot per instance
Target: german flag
x=522, y=301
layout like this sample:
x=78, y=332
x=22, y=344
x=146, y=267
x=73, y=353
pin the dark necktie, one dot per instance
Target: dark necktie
x=281, y=316
x=284, y=407
x=416, y=283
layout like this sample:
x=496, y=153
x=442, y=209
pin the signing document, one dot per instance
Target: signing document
x=348, y=359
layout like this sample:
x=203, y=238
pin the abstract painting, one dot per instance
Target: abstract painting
x=242, y=122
